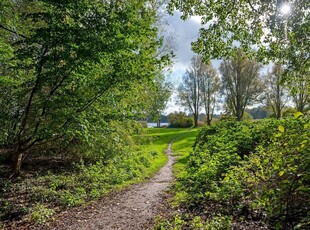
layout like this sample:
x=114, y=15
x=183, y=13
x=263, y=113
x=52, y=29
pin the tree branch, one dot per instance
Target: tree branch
x=249, y=1
x=12, y=31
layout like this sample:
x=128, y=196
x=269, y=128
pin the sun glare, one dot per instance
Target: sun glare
x=285, y=9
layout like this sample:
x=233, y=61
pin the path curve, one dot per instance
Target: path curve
x=132, y=209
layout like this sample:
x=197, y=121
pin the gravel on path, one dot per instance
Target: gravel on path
x=129, y=210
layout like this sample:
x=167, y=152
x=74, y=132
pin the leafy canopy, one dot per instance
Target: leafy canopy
x=257, y=26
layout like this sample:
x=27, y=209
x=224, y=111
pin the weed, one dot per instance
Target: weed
x=40, y=214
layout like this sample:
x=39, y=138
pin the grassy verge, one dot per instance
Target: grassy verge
x=60, y=184
x=155, y=142
x=181, y=147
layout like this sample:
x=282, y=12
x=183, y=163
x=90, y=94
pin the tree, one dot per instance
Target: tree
x=258, y=27
x=210, y=83
x=300, y=90
x=160, y=95
x=258, y=112
x=189, y=91
x=180, y=120
x=69, y=55
x=276, y=93
x=240, y=83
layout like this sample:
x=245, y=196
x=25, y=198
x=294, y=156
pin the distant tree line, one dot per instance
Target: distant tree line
x=240, y=84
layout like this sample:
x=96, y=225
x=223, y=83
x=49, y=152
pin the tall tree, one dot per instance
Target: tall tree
x=210, y=84
x=241, y=84
x=300, y=90
x=276, y=92
x=189, y=91
x=69, y=55
x=258, y=26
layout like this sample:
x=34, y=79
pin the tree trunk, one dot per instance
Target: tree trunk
x=208, y=120
x=195, y=120
x=17, y=163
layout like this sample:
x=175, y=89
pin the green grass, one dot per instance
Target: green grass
x=181, y=147
x=77, y=184
x=156, y=141
x=49, y=192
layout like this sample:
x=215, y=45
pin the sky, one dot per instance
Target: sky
x=185, y=32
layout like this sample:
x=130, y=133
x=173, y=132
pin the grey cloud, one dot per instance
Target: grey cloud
x=186, y=32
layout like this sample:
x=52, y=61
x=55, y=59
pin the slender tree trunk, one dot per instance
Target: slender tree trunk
x=278, y=112
x=208, y=120
x=17, y=163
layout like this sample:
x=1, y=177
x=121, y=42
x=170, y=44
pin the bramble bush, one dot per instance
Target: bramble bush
x=258, y=170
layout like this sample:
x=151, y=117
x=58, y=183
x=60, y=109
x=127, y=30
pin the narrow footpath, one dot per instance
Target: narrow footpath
x=129, y=210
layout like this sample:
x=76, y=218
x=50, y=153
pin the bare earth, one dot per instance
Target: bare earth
x=131, y=209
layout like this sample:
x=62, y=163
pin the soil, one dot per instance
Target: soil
x=134, y=208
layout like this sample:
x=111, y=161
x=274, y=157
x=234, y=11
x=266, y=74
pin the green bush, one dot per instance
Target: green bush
x=275, y=179
x=261, y=168
x=180, y=120
x=40, y=214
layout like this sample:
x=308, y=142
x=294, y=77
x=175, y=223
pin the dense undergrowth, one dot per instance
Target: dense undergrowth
x=61, y=183
x=246, y=175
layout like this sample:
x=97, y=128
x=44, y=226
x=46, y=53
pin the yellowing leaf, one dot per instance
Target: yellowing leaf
x=281, y=173
x=281, y=128
x=298, y=114
x=278, y=135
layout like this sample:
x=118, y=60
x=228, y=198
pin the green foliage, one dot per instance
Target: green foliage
x=241, y=83
x=247, y=116
x=180, y=120
x=90, y=179
x=160, y=95
x=40, y=214
x=6, y=209
x=219, y=222
x=259, y=112
x=106, y=140
x=270, y=34
x=279, y=175
x=68, y=68
x=259, y=168
x=289, y=112
x=143, y=123
x=178, y=222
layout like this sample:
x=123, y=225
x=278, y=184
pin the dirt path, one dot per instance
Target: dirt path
x=131, y=209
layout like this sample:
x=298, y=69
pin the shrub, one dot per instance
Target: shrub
x=143, y=124
x=275, y=179
x=259, y=168
x=40, y=214
x=180, y=120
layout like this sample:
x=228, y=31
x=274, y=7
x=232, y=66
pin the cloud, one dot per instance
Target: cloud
x=172, y=105
x=185, y=32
